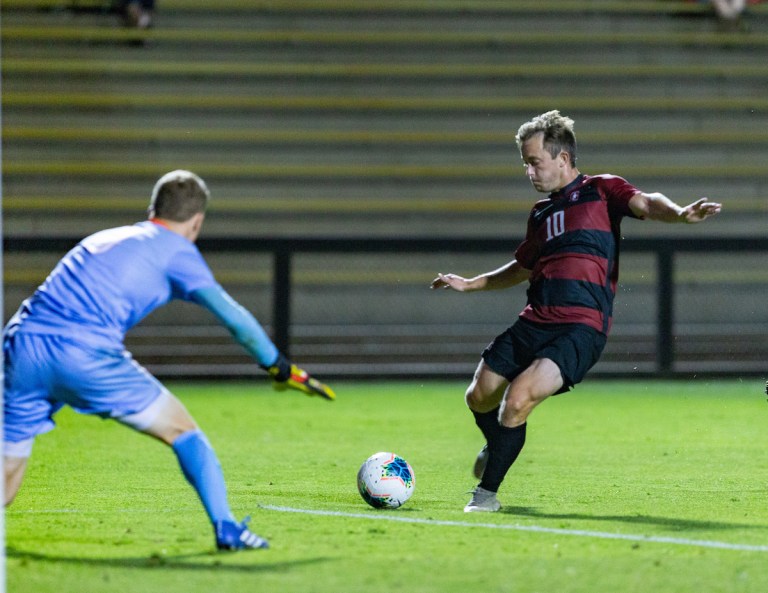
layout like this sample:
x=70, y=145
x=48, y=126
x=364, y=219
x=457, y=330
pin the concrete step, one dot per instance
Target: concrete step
x=72, y=40
x=435, y=137
x=501, y=15
x=373, y=87
x=499, y=126
x=243, y=103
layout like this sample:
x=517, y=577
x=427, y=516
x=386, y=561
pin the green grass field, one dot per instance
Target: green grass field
x=622, y=487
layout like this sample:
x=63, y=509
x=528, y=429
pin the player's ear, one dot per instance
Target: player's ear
x=196, y=223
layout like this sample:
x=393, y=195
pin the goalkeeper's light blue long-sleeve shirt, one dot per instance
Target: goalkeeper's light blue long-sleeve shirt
x=114, y=278
x=243, y=326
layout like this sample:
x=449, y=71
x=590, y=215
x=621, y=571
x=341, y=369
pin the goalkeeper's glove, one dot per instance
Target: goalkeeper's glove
x=286, y=375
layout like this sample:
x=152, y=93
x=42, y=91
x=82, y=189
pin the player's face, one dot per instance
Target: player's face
x=547, y=174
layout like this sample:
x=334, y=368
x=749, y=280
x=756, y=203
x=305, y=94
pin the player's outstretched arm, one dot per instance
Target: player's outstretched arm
x=656, y=206
x=247, y=331
x=508, y=275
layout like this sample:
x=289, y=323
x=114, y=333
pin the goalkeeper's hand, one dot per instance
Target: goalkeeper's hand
x=286, y=375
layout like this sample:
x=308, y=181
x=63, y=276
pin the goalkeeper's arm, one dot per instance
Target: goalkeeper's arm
x=247, y=331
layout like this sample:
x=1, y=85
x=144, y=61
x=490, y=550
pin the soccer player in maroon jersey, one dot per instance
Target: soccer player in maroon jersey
x=570, y=258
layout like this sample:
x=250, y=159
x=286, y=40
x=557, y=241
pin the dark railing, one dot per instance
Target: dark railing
x=284, y=249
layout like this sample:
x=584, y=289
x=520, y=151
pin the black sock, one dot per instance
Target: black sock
x=488, y=423
x=503, y=450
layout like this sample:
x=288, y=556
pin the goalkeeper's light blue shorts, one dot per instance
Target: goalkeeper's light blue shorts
x=43, y=373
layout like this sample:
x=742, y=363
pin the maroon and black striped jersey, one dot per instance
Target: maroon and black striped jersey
x=572, y=249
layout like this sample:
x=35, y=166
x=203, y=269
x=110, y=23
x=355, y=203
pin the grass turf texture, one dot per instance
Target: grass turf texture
x=104, y=509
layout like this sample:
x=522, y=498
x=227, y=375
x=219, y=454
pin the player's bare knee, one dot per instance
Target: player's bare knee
x=518, y=404
x=469, y=396
x=478, y=401
x=471, y=401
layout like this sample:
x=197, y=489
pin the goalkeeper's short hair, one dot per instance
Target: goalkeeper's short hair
x=178, y=196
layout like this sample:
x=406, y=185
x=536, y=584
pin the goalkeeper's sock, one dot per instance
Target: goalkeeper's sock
x=503, y=450
x=201, y=467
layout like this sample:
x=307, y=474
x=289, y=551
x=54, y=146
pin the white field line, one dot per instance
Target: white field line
x=388, y=516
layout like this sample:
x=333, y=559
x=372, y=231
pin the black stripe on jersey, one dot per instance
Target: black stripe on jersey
x=571, y=293
x=581, y=189
x=540, y=212
x=583, y=241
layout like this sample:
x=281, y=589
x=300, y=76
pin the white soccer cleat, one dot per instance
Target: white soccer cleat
x=483, y=501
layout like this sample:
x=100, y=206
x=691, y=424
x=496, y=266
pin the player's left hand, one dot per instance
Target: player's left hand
x=700, y=210
x=300, y=380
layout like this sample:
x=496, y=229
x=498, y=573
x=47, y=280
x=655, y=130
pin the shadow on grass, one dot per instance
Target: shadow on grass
x=668, y=522
x=186, y=562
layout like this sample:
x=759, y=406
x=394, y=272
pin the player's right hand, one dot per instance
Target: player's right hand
x=300, y=380
x=453, y=281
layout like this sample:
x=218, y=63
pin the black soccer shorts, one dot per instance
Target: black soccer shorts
x=573, y=347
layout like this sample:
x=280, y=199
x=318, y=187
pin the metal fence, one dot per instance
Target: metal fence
x=358, y=306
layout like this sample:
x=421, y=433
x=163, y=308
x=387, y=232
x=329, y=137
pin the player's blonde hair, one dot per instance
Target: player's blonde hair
x=557, y=130
x=178, y=196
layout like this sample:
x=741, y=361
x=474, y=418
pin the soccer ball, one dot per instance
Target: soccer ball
x=385, y=481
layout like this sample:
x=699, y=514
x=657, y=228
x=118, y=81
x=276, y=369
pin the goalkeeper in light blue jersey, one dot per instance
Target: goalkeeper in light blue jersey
x=64, y=346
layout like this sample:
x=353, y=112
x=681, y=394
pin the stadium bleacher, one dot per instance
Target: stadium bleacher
x=388, y=118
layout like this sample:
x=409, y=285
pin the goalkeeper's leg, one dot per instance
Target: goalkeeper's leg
x=168, y=420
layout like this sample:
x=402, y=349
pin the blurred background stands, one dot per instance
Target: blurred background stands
x=351, y=118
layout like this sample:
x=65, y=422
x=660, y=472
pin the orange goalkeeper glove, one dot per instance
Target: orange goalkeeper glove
x=286, y=375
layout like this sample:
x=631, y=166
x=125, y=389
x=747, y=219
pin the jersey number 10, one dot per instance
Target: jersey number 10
x=555, y=225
